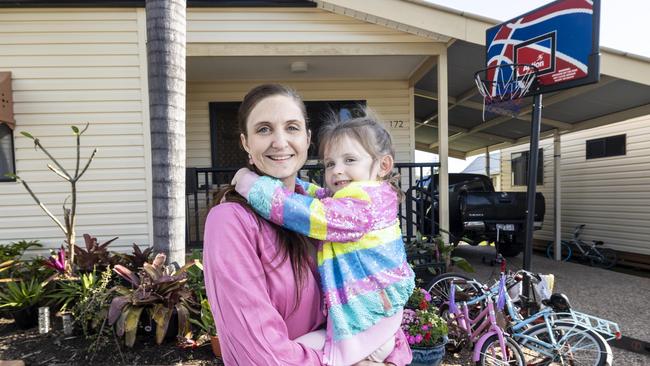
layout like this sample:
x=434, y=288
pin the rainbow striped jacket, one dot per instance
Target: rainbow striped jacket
x=362, y=263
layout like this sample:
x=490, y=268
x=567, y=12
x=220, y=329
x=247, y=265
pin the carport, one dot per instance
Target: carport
x=449, y=109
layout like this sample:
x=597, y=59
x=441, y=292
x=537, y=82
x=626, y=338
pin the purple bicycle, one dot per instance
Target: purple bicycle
x=492, y=345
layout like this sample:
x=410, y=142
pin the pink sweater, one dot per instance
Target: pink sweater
x=253, y=299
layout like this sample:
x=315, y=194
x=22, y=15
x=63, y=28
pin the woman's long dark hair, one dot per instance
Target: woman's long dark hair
x=293, y=246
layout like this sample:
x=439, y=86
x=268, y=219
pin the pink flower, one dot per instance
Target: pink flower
x=411, y=339
x=425, y=327
x=418, y=338
x=427, y=296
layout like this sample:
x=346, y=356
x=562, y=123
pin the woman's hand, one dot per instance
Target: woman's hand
x=371, y=363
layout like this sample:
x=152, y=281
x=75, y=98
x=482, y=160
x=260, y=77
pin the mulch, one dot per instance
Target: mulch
x=55, y=348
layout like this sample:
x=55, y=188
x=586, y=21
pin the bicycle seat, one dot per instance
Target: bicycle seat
x=558, y=302
x=598, y=242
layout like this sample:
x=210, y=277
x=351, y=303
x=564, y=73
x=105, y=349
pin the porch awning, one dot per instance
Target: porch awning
x=6, y=100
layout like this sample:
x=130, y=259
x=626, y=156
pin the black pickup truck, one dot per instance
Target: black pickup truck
x=478, y=213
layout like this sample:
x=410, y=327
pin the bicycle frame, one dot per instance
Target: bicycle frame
x=487, y=326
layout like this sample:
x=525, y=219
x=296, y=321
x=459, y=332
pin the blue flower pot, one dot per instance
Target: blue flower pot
x=428, y=356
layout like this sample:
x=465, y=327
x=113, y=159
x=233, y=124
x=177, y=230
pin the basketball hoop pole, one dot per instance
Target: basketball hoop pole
x=533, y=160
x=532, y=178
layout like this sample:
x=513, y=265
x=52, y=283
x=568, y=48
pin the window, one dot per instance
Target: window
x=6, y=153
x=606, y=146
x=519, y=163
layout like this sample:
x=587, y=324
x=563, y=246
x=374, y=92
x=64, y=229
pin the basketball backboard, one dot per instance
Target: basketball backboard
x=560, y=39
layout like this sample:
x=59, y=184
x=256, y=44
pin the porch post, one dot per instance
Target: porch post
x=443, y=146
x=557, y=198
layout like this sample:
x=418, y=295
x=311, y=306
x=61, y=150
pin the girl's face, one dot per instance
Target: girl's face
x=277, y=139
x=347, y=161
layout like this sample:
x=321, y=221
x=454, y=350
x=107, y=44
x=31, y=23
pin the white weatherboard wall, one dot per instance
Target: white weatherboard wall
x=72, y=66
x=610, y=195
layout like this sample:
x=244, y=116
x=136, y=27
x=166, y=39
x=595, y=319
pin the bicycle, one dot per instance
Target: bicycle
x=554, y=335
x=594, y=252
x=492, y=346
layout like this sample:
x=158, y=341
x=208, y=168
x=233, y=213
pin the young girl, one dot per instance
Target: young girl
x=364, y=275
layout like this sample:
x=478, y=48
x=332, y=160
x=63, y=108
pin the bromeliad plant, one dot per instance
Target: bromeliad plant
x=157, y=289
x=19, y=295
x=95, y=255
x=137, y=259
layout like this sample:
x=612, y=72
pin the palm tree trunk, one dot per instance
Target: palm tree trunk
x=166, y=29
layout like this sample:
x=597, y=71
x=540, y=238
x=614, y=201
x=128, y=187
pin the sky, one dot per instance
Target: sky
x=624, y=25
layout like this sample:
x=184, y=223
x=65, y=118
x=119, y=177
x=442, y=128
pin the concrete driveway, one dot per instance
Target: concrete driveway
x=615, y=296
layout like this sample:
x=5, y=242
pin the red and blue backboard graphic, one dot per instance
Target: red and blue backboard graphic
x=560, y=39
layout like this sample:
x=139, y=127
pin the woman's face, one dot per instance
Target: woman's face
x=277, y=139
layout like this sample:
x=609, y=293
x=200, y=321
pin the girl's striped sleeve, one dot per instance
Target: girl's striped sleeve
x=313, y=190
x=341, y=219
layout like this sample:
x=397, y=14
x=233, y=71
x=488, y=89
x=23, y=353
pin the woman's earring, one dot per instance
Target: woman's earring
x=250, y=159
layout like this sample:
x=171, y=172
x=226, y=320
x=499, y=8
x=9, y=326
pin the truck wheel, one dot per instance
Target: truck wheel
x=510, y=248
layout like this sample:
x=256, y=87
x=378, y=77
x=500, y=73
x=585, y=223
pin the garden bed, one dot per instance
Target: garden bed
x=55, y=348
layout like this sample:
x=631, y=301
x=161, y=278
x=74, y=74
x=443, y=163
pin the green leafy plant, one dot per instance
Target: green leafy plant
x=195, y=275
x=10, y=257
x=15, y=250
x=158, y=289
x=446, y=251
x=205, y=322
x=69, y=214
x=21, y=294
x=95, y=255
x=70, y=291
x=90, y=310
x=421, y=324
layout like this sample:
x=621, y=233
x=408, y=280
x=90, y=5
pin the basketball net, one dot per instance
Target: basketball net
x=504, y=86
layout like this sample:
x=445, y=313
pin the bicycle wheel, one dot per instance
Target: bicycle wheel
x=565, y=253
x=603, y=257
x=576, y=345
x=491, y=353
x=440, y=284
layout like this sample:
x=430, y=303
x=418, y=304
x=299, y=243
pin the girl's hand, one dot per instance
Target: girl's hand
x=240, y=173
x=243, y=181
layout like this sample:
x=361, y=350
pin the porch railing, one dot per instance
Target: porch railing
x=203, y=183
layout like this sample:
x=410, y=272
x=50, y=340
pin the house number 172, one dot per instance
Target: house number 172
x=397, y=124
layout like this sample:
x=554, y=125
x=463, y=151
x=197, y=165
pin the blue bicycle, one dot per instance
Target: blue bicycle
x=594, y=252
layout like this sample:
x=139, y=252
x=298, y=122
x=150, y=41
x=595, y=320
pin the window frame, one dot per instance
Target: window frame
x=604, y=141
x=3, y=177
x=540, y=168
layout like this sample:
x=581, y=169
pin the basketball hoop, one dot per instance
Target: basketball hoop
x=503, y=87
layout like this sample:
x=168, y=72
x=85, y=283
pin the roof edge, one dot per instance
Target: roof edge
x=141, y=3
x=455, y=11
x=625, y=53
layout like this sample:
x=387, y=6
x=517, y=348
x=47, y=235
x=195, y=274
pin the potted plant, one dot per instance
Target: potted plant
x=22, y=298
x=205, y=322
x=425, y=330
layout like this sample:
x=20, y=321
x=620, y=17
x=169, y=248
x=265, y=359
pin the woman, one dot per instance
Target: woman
x=262, y=280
